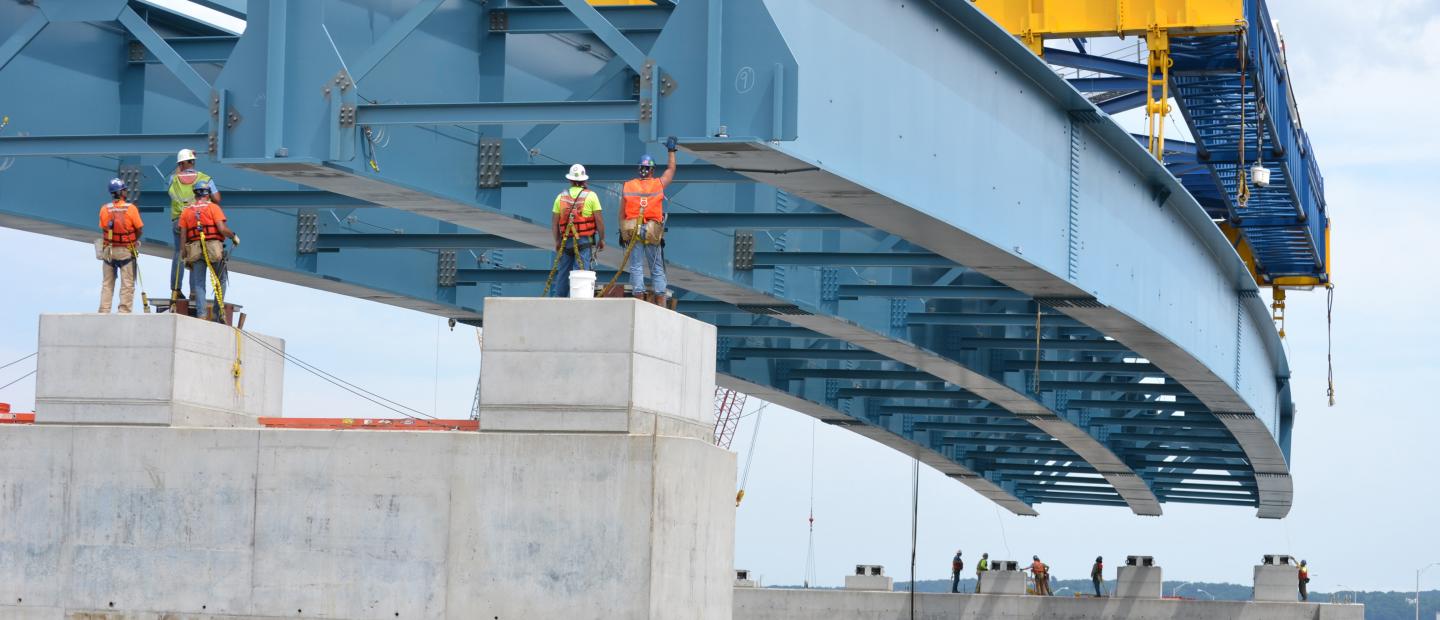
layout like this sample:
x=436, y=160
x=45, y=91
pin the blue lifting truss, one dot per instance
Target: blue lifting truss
x=984, y=272
x=1241, y=111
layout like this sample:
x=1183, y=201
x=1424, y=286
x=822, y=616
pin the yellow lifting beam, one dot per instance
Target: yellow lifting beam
x=1034, y=21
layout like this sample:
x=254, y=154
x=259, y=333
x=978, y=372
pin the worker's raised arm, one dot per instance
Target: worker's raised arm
x=665, y=179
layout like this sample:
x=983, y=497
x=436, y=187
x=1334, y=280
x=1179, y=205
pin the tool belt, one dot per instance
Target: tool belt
x=192, y=252
x=653, y=231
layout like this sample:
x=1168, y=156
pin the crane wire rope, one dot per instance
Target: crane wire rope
x=810, y=552
x=22, y=378
x=914, y=526
x=18, y=361
x=750, y=455
x=374, y=398
x=1329, y=343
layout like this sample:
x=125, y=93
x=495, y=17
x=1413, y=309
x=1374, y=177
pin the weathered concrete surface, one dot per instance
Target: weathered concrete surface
x=1277, y=582
x=1139, y=582
x=156, y=369
x=254, y=523
x=1002, y=582
x=775, y=604
x=595, y=365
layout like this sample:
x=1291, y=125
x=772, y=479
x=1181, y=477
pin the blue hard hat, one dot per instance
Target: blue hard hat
x=201, y=188
x=116, y=186
x=647, y=162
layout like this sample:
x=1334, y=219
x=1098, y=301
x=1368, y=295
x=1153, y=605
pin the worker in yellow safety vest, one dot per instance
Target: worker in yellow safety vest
x=578, y=228
x=1304, y=581
x=642, y=227
x=182, y=194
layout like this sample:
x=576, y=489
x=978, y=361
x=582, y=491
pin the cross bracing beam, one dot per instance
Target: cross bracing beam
x=452, y=241
x=266, y=199
x=106, y=145
x=851, y=259
x=995, y=293
x=992, y=320
x=862, y=374
x=1116, y=386
x=501, y=113
x=1110, y=368
x=559, y=20
x=193, y=50
x=1098, y=64
x=818, y=354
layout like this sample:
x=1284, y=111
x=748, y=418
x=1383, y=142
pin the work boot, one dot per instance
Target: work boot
x=661, y=299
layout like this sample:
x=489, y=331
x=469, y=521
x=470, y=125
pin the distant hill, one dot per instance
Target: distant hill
x=1378, y=605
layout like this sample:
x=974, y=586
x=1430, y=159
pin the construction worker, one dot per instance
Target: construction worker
x=980, y=568
x=121, y=224
x=578, y=227
x=1304, y=581
x=1097, y=575
x=1041, y=573
x=182, y=193
x=205, y=232
x=644, y=226
x=956, y=565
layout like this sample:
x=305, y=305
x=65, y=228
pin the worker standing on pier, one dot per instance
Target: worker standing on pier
x=121, y=224
x=1304, y=581
x=643, y=228
x=1097, y=574
x=578, y=228
x=205, y=232
x=980, y=568
x=1041, y=573
x=182, y=194
x=956, y=565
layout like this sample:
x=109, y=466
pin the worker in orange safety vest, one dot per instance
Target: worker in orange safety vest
x=203, y=225
x=642, y=227
x=121, y=224
x=1041, y=572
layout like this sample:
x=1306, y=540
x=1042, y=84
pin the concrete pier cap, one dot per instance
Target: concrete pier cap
x=155, y=369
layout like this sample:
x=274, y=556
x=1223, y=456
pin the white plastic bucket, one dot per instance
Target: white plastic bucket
x=582, y=284
x=1260, y=176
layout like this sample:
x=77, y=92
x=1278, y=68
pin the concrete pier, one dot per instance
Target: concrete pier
x=140, y=522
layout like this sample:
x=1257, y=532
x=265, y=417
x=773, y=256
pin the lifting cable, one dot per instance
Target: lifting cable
x=750, y=456
x=810, y=552
x=22, y=378
x=374, y=398
x=1242, y=187
x=914, y=525
x=1329, y=343
x=17, y=361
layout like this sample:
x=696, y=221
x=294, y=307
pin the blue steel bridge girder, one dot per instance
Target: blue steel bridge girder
x=393, y=227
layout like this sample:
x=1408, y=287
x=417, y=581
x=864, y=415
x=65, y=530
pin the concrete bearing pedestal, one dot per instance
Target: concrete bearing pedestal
x=154, y=369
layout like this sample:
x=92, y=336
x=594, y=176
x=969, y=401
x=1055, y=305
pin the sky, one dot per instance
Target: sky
x=1366, y=503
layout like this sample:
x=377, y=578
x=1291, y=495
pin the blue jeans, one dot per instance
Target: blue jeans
x=200, y=280
x=561, y=287
x=646, y=253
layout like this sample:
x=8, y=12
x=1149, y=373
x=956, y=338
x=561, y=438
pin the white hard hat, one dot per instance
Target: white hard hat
x=184, y=155
x=577, y=173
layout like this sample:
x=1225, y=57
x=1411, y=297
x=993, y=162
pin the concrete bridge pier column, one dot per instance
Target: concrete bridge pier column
x=607, y=497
